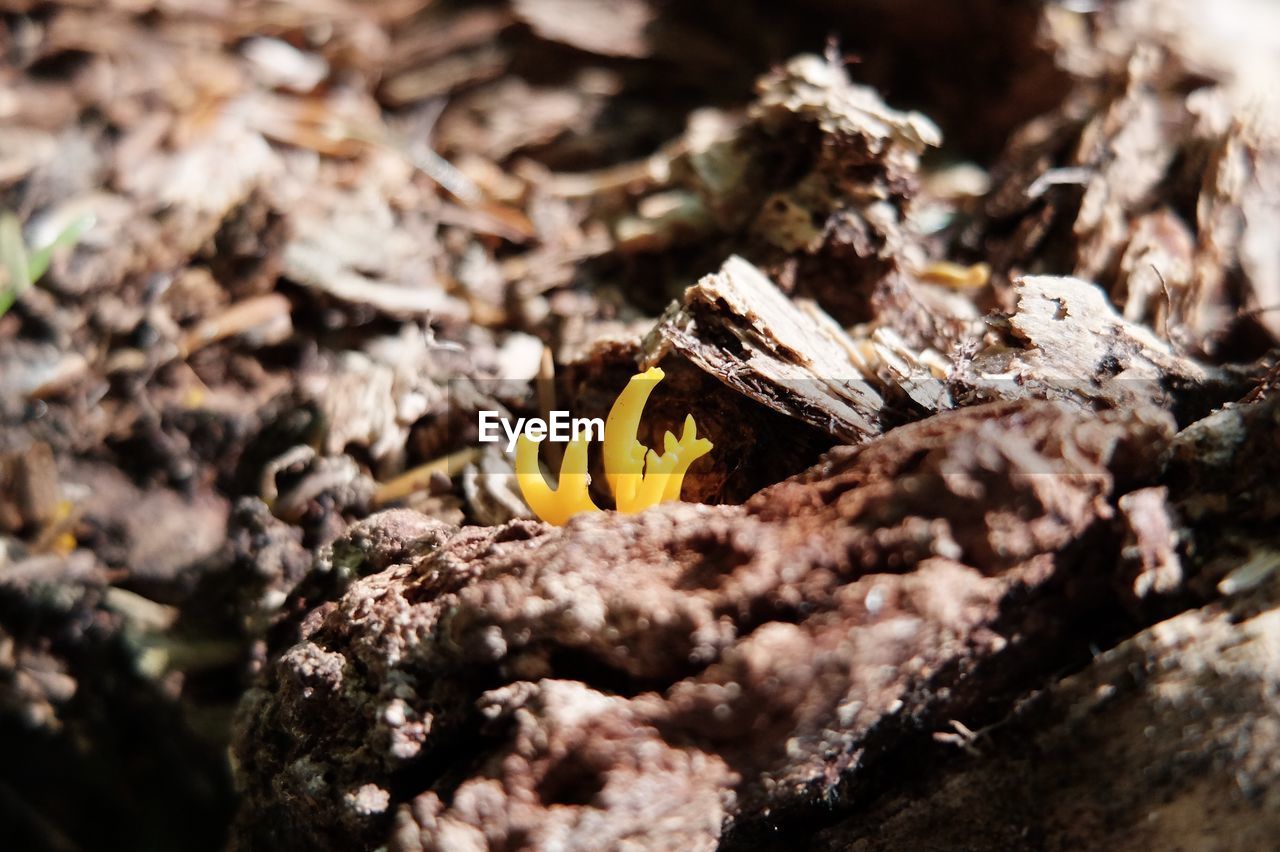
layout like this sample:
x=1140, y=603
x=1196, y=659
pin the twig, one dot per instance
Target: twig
x=417, y=479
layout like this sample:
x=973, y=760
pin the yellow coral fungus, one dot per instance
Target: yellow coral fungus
x=637, y=476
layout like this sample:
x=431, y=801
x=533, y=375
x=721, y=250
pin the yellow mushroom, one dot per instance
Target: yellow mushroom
x=637, y=476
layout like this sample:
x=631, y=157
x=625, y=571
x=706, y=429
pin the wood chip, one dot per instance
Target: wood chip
x=738, y=326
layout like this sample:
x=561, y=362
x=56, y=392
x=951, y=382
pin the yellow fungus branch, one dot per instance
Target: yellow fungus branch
x=624, y=456
x=570, y=496
x=688, y=450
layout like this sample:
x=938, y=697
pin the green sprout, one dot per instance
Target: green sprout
x=24, y=267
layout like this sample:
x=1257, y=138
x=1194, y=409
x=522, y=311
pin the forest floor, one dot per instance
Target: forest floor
x=979, y=303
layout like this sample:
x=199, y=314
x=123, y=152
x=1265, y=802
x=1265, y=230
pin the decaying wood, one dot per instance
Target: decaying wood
x=1149, y=191
x=738, y=327
x=1145, y=714
x=1064, y=340
x=977, y=301
x=742, y=664
x=746, y=656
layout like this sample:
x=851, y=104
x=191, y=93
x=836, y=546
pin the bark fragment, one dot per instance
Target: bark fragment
x=739, y=328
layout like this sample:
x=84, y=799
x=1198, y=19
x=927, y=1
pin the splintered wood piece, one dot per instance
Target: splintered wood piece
x=1070, y=344
x=738, y=326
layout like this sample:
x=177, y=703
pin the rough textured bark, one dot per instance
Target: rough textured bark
x=1168, y=741
x=521, y=684
x=667, y=677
